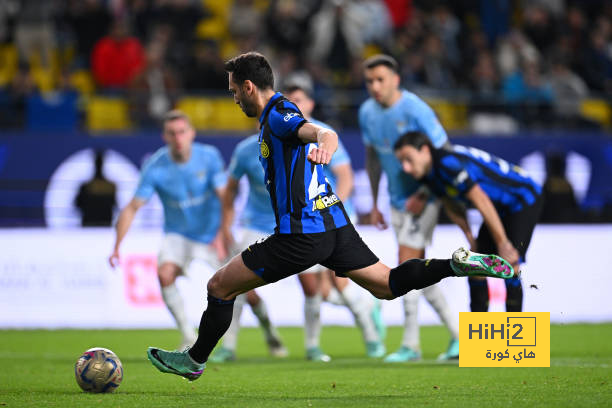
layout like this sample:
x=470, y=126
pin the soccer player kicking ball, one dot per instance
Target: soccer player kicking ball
x=311, y=224
x=508, y=199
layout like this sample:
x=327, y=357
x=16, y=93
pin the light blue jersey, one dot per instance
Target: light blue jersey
x=381, y=127
x=186, y=190
x=258, y=213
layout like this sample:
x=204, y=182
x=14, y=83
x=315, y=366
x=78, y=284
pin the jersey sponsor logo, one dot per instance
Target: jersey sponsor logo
x=324, y=202
x=265, y=151
x=290, y=115
x=461, y=177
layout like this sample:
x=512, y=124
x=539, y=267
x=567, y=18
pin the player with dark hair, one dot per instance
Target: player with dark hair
x=383, y=118
x=311, y=224
x=508, y=199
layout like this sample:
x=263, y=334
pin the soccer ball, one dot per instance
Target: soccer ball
x=98, y=370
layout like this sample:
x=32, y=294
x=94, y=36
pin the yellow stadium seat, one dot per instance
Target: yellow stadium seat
x=8, y=63
x=199, y=110
x=218, y=8
x=452, y=115
x=228, y=116
x=107, y=113
x=43, y=78
x=82, y=81
x=213, y=28
x=597, y=110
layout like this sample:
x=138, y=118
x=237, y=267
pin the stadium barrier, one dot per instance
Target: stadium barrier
x=52, y=278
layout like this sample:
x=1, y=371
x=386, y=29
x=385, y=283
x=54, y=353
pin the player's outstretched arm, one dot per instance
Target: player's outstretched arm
x=326, y=139
x=483, y=203
x=374, y=170
x=344, y=180
x=126, y=217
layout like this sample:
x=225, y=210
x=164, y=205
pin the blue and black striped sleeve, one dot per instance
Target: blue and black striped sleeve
x=454, y=173
x=285, y=121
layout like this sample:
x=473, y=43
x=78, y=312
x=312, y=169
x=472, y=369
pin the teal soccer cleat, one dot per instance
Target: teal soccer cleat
x=316, y=354
x=175, y=362
x=379, y=323
x=403, y=354
x=452, y=353
x=375, y=349
x=222, y=355
x=468, y=263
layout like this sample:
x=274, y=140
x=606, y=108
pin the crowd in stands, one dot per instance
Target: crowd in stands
x=509, y=63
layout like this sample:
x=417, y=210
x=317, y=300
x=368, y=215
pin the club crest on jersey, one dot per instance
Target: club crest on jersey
x=201, y=175
x=324, y=202
x=265, y=152
x=290, y=115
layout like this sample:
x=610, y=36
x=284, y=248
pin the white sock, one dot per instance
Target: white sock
x=436, y=299
x=174, y=301
x=312, y=321
x=360, y=303
x=411, y=321
x=230, y=338
x=261, y=312
x=335, y=298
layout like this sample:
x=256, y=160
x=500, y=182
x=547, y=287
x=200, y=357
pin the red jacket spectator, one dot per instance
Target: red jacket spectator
x=117, y=58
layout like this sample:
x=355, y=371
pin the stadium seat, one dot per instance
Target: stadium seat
x=82, y=81
x=8, y=63
x=107, y=113
x=200, y=111
x=215, y=114
x=228, y=116
x=452, y=115
x=597, y=110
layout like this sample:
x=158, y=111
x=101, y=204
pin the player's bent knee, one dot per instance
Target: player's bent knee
x=215, y=287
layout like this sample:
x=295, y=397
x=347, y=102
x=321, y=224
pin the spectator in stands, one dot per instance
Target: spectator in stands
x=97, y=198
x=245, y=20
x=153, y=90
x=35, y=30
x=512, y=51
x=181, y=18
x=568, y=89
x=436, y=65
x=596, y=62
x=90, y=21
x=205, y=72
x=21, y=88
x=117, y=57
x=539, y=27
x=287, y=24
x=529, y=94
x=560, y=204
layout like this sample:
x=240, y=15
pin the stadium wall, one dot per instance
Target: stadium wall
x=28, y=162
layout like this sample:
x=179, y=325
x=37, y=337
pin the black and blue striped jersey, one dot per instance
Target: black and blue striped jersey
x=302, y=199
x=455, y=170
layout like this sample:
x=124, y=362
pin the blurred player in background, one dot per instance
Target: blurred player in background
x=508, y=199
x=312, y=226
x=383, y=118
x=189, y=179
x=258, y=221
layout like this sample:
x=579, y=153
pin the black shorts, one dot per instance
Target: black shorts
x=519, y=229
x=283, y=255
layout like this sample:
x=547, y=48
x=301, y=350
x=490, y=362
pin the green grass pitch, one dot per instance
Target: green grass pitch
x=37, y=370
